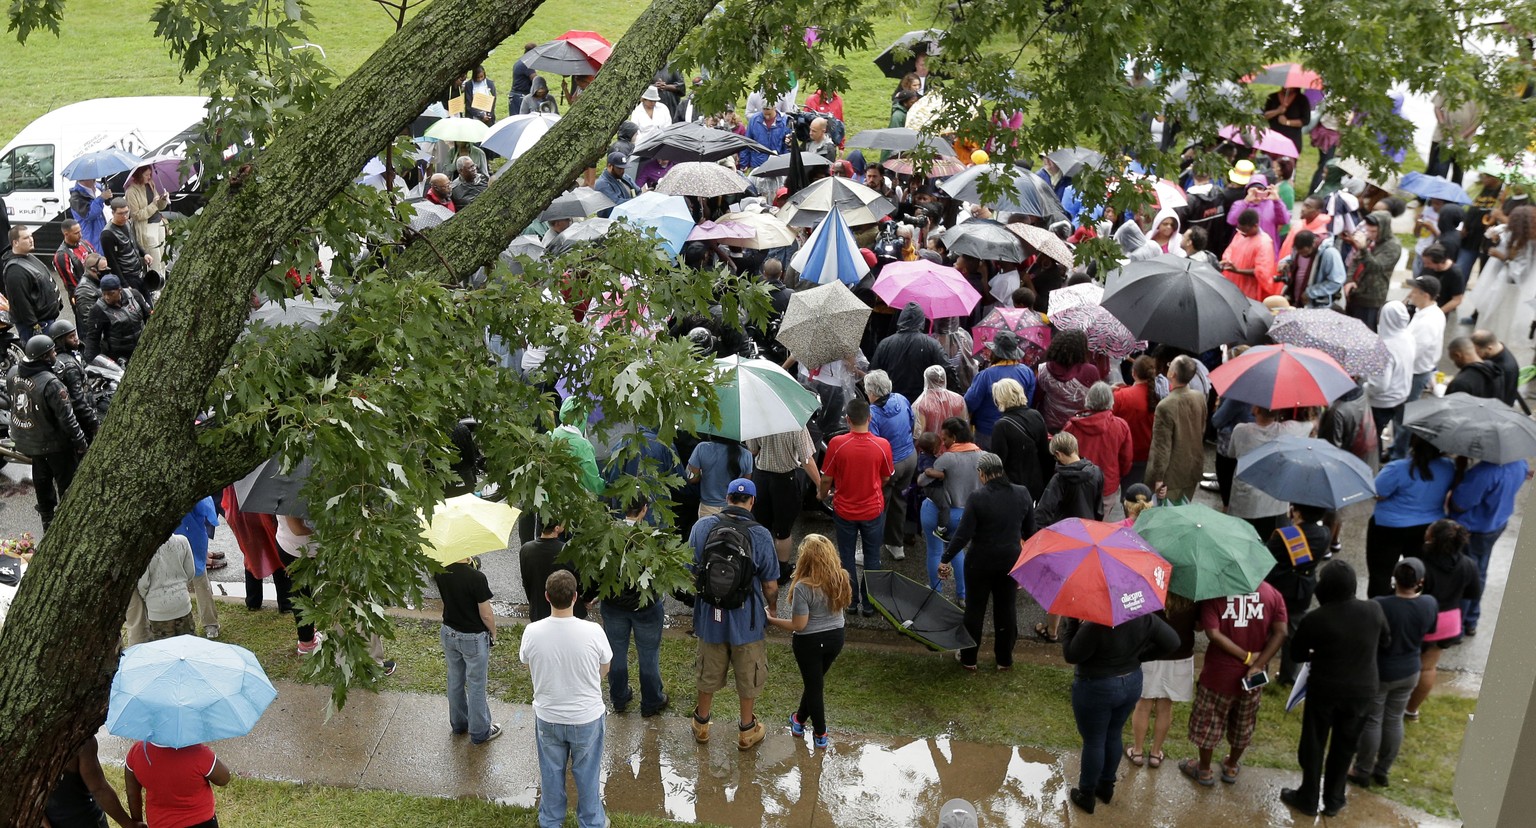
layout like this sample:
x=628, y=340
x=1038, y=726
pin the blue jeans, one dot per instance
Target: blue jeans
x=580, y=747
x=645, y=625
x=1464, y=261
x=930, y=519
x=848, y=534
x=1480, y=550
x=468, y=655
x=1101, y=707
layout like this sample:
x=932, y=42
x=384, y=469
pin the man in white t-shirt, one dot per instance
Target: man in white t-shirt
x=568, y=658
x=1428, y=330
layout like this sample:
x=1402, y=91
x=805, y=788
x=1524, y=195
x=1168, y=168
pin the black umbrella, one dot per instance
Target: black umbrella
x=1476, y=427
x=559, y=57
x=1259, y=320
x=909, y=45
x=983, y=239
x=692, y=141
x=918, y=611
x=269, y=491
x=1177, y=301
x=576, y=204
x=778, y=166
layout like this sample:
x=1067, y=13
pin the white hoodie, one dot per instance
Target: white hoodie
x=1390, y=387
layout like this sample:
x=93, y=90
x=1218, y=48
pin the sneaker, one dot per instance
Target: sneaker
x=211, y=631
x=665, y=701
x=700, y=727
x=495, y=731
x=823, y=741
x=1210, y=485
x=389, y=666
x=895, y=553
x=796, y=726
x=941, y=532
x=311, y=647
x=1208, y=476
x=748, y=738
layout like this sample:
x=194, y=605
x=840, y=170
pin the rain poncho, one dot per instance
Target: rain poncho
x=569, y=432
x=905, y=354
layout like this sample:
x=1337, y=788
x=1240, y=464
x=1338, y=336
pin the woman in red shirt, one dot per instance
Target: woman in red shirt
x=1135, y=404
x=169, y=787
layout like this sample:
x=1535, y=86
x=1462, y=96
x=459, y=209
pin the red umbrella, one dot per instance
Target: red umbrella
x=1034, y=333
x=593, y=45
x=1287, y=74
x=1283, y=376
x=1095, y=571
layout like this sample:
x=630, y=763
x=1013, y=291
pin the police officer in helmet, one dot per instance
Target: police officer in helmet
x=43, y=425
x=71, y=369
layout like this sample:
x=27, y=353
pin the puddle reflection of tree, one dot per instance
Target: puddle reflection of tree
x=973, y=772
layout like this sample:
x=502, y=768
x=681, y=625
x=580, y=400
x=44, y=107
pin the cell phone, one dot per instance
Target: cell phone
x=1255, y=681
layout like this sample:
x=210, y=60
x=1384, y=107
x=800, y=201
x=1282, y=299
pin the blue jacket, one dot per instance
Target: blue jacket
x=196, y=528
x=1327, y=275
x=1405, y=500
x=619, y=190
x=771, y=137
x=893, y=420
x=1486, y=497
x=978, y=398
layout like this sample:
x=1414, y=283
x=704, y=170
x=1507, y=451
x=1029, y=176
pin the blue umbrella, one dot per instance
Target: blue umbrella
x=187, y=690
x=1429, y=186
x=668, y=215
x=830, y=253
x=101, y=163
x=1308, y=471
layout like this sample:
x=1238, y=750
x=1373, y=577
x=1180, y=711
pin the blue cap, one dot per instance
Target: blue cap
x=110, y=282
x=741, y=486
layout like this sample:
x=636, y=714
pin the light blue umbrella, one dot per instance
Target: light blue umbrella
x=830, y=254
x=187, y=690
x=666, y=214
x=101, y=163
x=1430, y=186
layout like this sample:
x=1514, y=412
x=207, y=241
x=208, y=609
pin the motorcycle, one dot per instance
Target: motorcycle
x=10, y=358
x=102, y=376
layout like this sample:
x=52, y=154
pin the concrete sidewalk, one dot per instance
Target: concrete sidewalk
x=400, y=742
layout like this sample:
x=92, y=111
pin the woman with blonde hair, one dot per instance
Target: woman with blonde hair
x=817, y=597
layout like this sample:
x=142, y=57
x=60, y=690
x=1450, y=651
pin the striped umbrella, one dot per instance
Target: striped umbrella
x=1106, y=334
x=858, y=203
x=940, y=291
x=1354, y=346
x=1095, y=571
x=758, y=398
x=1282, y=376
x=513, y=136
x=830, y=254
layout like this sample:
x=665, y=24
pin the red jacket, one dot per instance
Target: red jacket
x=1133, y=406
x=1104, y=440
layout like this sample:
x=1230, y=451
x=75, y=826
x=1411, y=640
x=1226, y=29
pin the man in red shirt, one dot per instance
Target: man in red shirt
x=854, y=470
x=1245, y=632
x=69, y=261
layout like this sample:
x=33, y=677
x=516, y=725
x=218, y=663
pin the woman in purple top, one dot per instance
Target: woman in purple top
x=1264, y=200
x=1064, y=379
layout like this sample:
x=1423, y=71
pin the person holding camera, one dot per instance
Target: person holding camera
x=1263, y=199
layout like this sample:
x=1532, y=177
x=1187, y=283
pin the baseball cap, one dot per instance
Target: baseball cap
x=741, y=486
x=617, y=159
x=1426, y=283
x=1414, y=564
x=110, y=282
x=957, y=813
x=1241, y=172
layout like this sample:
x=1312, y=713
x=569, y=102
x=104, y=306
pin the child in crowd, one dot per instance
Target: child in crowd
x=928, y=450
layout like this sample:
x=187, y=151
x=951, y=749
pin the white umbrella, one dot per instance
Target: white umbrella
x=769, y=230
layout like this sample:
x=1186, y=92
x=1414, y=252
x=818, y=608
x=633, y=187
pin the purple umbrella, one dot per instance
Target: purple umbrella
x=1106, y=334
x=710, y=230
x=1357, y=348
x=1263, y=140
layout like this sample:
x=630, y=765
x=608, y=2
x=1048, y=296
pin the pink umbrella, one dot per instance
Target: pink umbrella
x=1266, y=140
x=166, y=173
x=710, y=230
x=940, y=291
x=1034, y=333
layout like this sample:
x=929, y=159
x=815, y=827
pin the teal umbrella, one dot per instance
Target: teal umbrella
x=1213, y=555
x=758, y=398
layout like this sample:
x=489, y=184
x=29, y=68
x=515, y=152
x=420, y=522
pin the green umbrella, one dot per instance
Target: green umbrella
x=468, y=130
x=758, y=398
x=1213, y=555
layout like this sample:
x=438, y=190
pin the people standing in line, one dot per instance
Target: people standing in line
x=1451, y=578
x=1074, y=491
x=1491, y=350
x=1427, y=327
x=117, y=321
x=854, y=471
x=1388, y=388
x=1019, y=438
x=162, y=593
x=891, y=418
x=1063, y=380
x=256, y=535
x=197, y=528
x=467, y=634
x=1483, y=501
x=1176, y=460
x=1473, y=375
x=538, y=559
x=43, y=425
x=1104, y=440
x=998, y=516
x=777, y=461
x=145, y=202
x=907, y=355
x=567, y=659
x=295, y=540
x=70, y=368
x=28, y=285
x=1166, y=679
x=1411, y=615
x=125, y=257
x=1410, y=495
x=88, y=206
x=1229, y=414
x=954, y=478
x=522, y=80
x=633, y=613
x=1340, y=639
x=1297, y=548
x=818, y=595
x=1373, y=256
x=1263, y=512
x=173, y=787
x=479, y=84
x=715, y=462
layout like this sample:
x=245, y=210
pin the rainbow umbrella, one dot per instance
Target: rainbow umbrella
x=1094, y=571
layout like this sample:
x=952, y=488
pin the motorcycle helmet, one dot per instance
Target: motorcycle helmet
x=702, y=339
x=60, y=329
x=38, y=348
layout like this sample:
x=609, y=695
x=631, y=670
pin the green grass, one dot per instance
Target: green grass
x=905, y=694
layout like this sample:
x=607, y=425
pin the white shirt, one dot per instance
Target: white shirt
x=1428, y=329
x=650, y=124
x=566, y=656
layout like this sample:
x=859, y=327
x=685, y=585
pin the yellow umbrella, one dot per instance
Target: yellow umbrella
x=467, y=525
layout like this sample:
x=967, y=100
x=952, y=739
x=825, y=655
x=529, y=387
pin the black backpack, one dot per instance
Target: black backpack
x=726, y=570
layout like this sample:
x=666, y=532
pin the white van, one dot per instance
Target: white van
x=32, y=165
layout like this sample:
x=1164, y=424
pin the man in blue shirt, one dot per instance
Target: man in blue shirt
x=197, y=527
x=734, y=638
x=768, y=129
x=1483, y=503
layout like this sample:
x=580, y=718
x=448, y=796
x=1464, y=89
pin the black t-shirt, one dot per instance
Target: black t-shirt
x=1300, y=109
x=1453, y=283
x=537, y=561
x=1409, y=619
x=464, y=588
x=1294, y=584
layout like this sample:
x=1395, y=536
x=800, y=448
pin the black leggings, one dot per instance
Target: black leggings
x=982, y=585
x=306, y=631
x=1226, y=472
x=814, y=653
x=1384, y=545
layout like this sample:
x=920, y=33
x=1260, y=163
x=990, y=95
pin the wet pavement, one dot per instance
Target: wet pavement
x=400, y=742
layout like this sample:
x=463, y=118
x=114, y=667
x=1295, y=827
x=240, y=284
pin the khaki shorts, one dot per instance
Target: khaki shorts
x=748, y=661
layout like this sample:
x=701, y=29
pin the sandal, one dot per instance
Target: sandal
x=1410, y=715
x=1044, y=634
x=1191, y=769
x=1155, y=760
x=1229, y=772
x=1136, y=757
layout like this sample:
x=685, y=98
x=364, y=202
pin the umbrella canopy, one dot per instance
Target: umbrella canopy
x=596, y=47
x=823, y=324
x=777, y=166
x=925, y=114
x=426, y=214
x=1432, y=186
x=900, y=57
x=668, y=215
x=1283, y=376
x=1177, y=301
x=984, y=239
x=468, y=130
x=1469, y=426
x=530, y=246
x=305, y=313
x=576, y=204
x=1287, y=74
x=1308, y=471
x=582, y=231
x=1213, y=555
x=933, y=168
x=1023, y=191
x=918, y=611
x=692, y=141
x=1257, y=320
x=940, y=291
x=1072, y=160
x=1034, y=333
x=1106, y=334
x=269, y=490
x=830, y=254
x=1170, y=196
x=1263, y=140
x=1094, y=571
x=1044, y=242
x=182, y=691
x=511, y=137
x=1354, y=346
x=768, y=230
x=758, y=398
x=560, y=57
x=170, y=173
x=702, y=179
x=1087, y=293
x=467, y=525
x=858, y=203
x=900, y=139
x=101, y=163
x=732, y=231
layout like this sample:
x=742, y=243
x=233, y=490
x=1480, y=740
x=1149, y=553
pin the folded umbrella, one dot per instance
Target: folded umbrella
x=858, y=204
x=468, y=130
x=900, y=57
x=777, y=166
x=576, y=204
x=101, y=163
x=1475, y=427
x=1048, y=244
x=1034, y=333
x=1022, y=191
x=1263, y=140
x=467, y=525
x=692, y=141
x=667, y=215
x=1178, y=301
x=769, y=231
x=1106, y=334
x=917, y=610
x=1213, y=555
x=702, y=179
x=1308, y=471
x=758, y=398
x=269, y=490
x=1072, y=160
x=1354, y=346
x=1283, y=376
x=984, y=239
x=1431, y=186
x=515, y=135
x=559, y=57
x=187, y=690
x=940, y=291
x=1093, y=571
x=823, y=324
x=830, y=254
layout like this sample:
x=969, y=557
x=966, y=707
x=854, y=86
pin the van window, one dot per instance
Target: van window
x=27, y=167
